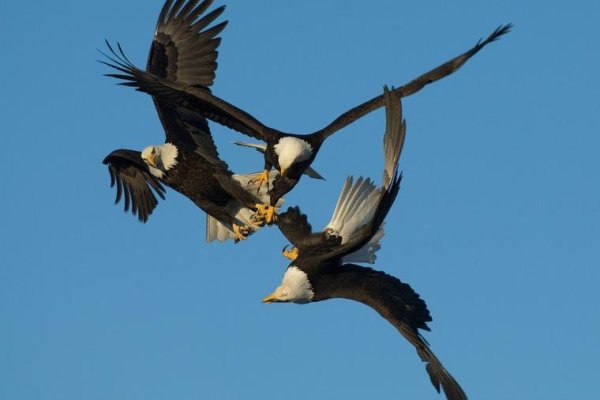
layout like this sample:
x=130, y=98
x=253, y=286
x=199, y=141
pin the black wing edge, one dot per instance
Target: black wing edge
x=135, y=184
x=438, y=374
x=400, y=305
x=131, y=75
x=414, y=86
x=199, y=100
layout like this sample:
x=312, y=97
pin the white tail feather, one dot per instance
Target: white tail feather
x=216, y=230
x=367, y=253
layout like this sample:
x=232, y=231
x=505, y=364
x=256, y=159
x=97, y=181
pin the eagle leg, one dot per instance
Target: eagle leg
x=262, y=178
x=267, y=212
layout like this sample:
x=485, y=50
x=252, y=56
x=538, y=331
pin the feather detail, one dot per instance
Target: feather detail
x=356, y=207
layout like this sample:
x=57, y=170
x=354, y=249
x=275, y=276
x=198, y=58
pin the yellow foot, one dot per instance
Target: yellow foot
x=291, y=254
x=240, y=232
x=256, y=221
x=266, y=212
x=262, y=178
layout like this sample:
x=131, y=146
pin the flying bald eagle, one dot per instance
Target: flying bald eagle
x=290, y=154
x=184, y=51
x=321, y=267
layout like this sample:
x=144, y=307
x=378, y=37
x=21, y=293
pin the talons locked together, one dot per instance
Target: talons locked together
x=267, y=212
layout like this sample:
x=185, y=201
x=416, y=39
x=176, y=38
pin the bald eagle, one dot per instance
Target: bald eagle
x=291, y=154
x=322, y=268
x=184, y=51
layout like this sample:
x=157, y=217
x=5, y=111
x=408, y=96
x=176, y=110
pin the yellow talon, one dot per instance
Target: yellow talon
x=271, y=216
x=240, y=232
x=291, y=254
x=266, y=212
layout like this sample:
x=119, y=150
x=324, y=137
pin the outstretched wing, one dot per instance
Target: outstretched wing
x=135, y=184
x=412, y=87
x=198, y=100
x=184, y=48
x=399, y=304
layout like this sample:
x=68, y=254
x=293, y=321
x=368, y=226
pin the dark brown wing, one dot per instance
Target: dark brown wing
x=295, y=227
x=184, y=48
x=399, y=304
x=394, y=136
x=182, y=126
x=197, y=100
x=134, y=182
x=413, y=86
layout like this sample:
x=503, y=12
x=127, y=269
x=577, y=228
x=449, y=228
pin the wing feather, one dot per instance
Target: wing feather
x=197, y=100
x=184, y=47
x=400, y=305
x=135, y=184
x=395, y=134
x=412, y=87
x=295, y=227
x=355, y=208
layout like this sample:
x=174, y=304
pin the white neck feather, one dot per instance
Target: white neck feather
x=291, y=150
x=168, y=155
x=156, y=172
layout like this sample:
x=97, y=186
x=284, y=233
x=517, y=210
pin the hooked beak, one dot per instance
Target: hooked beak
x=151, y=160
x=270, y=298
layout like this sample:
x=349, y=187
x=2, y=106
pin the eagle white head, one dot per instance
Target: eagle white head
x=160, y=158
x=295, y=287
x=291, y=150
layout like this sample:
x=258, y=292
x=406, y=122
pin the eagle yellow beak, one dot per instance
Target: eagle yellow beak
x=151, y=160
x=270, y=298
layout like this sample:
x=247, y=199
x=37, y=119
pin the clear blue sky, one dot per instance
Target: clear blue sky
x=497, y=225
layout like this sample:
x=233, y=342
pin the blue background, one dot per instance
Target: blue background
x=497, y=225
